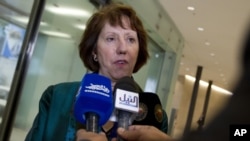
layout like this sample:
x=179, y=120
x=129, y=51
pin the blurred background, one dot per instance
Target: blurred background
x=183, y=36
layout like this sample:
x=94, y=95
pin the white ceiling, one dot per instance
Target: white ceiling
x=224, y=23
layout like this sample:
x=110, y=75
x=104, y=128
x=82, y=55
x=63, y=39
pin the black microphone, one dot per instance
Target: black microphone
x=94, y=101
x=126, y=101
x=150, y=111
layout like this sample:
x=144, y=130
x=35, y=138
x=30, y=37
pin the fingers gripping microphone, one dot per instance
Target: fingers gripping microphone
x=94, y=101
x=126, y=101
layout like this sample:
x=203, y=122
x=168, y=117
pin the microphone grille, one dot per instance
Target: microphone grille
x=127, y=83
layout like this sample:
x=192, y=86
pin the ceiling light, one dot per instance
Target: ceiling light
x=157, y=55
x=204, y=83
x=207, y=43
x=21, y=19
x=5, y=88
x=82, y=27
x=212, y=54
x=200, y=28
x=219, y=89
x=25, y=20
x=56, y=34
x=190, y=8
x=191, y=78
x=68, y=11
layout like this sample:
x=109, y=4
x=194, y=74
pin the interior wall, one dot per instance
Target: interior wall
x=181, y=102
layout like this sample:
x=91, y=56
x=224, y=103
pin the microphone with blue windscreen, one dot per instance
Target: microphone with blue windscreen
x=94, y=101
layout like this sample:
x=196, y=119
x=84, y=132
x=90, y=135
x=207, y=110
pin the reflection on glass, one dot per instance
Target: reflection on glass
x=11, y=38
x=55, y=59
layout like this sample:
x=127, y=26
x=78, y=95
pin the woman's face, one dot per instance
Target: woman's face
x=117, y=50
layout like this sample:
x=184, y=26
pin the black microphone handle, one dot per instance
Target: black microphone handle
x=123, y=121
x=92, y=120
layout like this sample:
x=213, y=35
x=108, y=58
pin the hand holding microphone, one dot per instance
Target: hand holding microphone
x=147, y=126
x=94, y=101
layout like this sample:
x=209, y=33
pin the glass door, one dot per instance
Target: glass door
x=55, y=57
x=13, y=57
x=11, y=39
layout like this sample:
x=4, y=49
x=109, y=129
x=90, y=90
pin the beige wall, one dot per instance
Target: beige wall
x=181, y=102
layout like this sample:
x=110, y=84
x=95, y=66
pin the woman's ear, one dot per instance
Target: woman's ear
x=94, y=56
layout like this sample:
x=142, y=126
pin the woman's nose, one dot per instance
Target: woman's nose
x=121, y=47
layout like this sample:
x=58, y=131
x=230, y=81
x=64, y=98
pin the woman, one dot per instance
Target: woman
x=114, y=44
x=222, y=128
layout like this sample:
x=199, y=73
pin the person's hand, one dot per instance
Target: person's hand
x=142, y=133
x=83, y=135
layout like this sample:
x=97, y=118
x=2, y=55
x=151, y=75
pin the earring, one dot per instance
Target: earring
x=95, y=58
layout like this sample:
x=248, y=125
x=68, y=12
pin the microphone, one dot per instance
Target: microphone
x=94, y=101
x=150, y=111
x=126, y=101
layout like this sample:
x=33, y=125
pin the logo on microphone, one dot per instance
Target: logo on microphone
x=127, y=100
x=97, y=89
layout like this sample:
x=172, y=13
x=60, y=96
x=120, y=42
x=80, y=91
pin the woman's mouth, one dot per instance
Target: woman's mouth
x=121, y=62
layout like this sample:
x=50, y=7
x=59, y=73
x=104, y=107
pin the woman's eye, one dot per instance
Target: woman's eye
x=109, y=39
x=131, y=40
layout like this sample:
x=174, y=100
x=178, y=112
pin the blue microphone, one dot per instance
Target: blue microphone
x=94, y=101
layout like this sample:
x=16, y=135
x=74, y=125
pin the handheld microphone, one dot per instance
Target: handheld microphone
x=126, y=101
x=150, y=111
x=94, y=101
